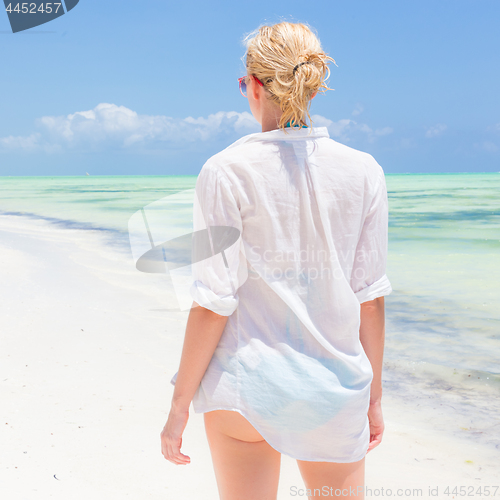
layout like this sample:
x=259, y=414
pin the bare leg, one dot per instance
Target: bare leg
x=323, y=478
x=246, y=466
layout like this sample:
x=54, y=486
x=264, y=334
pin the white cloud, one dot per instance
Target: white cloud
x=347, y=130
x=407, y=143
x=435, y=130
x=28, y=143
x=320, y=121
x=487, y=146
x=111, y=126
x=358, y=109
x=494, y=128
x=383, y=131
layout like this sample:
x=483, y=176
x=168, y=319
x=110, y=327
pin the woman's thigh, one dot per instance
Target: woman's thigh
x=246, y=466
x=336, y=480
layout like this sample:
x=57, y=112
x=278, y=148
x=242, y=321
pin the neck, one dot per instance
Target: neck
x=271, y=122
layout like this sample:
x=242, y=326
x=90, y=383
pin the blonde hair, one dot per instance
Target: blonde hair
x=288, y=59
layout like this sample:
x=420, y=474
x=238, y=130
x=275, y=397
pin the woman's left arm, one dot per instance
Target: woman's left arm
x=203, y=332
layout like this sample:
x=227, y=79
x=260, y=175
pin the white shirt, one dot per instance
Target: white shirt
x=312, y=221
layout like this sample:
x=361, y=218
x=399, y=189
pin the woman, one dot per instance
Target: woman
x=284, y=343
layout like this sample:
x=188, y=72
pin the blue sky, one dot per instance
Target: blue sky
x=125, y=87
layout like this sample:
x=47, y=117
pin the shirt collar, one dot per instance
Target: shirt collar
x=293, y=134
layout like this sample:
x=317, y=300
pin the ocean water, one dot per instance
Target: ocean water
x=443, y=317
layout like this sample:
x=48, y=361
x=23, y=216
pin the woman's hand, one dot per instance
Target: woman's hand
x=376, y=424
x=171, y=436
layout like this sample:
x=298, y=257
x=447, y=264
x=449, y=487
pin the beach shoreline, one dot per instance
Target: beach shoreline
x=89, y=345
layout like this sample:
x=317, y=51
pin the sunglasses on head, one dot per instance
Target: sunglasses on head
x=243, y=84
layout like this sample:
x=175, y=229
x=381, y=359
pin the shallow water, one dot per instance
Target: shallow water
x=443, y=317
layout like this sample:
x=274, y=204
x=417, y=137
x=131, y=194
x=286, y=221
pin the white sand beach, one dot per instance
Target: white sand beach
x=88, y=347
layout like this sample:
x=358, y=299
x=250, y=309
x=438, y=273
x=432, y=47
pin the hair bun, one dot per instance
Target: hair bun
x=272, y=51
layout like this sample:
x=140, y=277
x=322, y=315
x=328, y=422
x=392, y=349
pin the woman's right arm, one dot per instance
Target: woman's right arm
x=372, y=337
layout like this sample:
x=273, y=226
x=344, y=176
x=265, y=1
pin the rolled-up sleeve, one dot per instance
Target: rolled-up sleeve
x=368, y=278
x=217, y=222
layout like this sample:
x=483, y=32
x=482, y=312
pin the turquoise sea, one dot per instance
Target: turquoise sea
x=443, y=317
